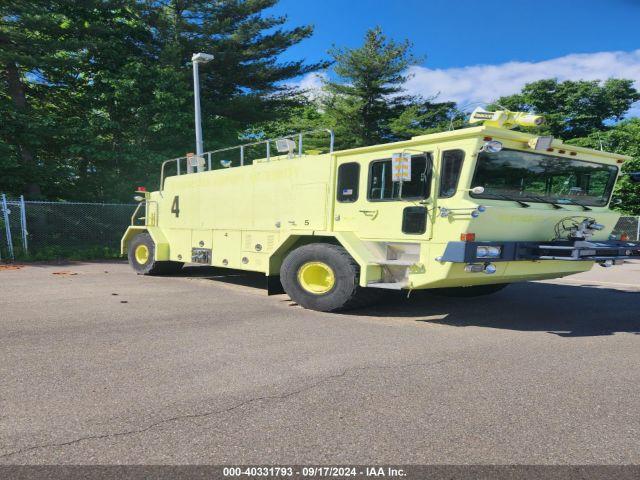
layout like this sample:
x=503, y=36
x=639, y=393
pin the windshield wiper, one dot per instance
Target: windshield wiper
x=573, y=202
x=507, y=197
x=544, y=200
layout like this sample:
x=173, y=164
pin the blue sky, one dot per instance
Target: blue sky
x=498, y=43
x=457, y=33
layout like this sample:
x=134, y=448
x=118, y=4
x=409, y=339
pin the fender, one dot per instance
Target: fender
x=366, y=259
x=162, y=245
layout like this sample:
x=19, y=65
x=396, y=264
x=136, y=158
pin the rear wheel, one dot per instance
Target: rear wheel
x=467, y=292
x=323, y=277
x=141, y=256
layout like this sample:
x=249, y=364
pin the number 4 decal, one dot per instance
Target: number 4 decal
x=175, y=206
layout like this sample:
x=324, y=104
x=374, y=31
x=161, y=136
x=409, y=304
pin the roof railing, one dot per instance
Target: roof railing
x=195, y=164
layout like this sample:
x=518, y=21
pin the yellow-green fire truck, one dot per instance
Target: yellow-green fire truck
x=467, y=212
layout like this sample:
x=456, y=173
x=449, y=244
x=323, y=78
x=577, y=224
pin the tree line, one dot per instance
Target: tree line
x=95, y=94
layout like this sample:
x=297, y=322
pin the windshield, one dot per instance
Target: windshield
x=526, y=175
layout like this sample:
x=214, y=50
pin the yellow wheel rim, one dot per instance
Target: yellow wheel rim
x=316, y=277
x=142, y=254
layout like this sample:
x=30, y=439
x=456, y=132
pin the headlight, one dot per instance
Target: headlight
x=488, y=252
x=492, y=146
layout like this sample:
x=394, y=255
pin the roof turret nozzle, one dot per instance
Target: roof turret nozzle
x=505, y=118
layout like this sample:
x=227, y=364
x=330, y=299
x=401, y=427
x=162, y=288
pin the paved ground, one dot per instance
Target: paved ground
x=98, y=365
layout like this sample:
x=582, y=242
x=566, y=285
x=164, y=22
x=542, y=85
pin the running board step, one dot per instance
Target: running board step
x=388, y=286
x=394, y=263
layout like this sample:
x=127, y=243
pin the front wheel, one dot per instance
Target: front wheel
x=322, y=277
x=467, y=292
x=141, y=256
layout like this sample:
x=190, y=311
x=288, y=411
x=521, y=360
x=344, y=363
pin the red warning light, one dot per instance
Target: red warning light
x=141, y=189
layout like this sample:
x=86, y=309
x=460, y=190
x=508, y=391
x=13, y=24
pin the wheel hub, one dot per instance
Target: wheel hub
x=142, y=254
x=316, y=277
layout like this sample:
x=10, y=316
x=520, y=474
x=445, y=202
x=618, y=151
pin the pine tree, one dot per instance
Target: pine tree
x=369, y=89
x=52, y=52
x=368, y=104
x=96, y=93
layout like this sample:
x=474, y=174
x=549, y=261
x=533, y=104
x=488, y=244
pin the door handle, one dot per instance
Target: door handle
x=369, y=213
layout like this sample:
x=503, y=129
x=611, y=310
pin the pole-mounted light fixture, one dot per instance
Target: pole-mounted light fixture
x=196, y=59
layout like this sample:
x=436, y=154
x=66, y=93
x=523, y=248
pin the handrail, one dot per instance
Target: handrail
x=242, y=147
x=135, y=212
x=147, y=215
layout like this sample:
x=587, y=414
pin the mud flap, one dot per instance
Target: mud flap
x=274, y=287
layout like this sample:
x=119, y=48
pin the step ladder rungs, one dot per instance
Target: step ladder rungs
x=388, y=286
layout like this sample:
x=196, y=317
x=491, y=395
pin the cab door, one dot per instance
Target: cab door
x=374, y=206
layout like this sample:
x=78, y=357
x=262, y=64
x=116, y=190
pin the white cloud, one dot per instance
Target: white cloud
x=311, y=83
x=485, y=83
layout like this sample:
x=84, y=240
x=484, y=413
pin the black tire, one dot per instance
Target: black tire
x=149, y=266
x=468, y=292
x=345, y=292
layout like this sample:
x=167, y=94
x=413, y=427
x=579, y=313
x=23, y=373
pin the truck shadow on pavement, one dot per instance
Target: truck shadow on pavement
x=563, y=310
x=226, y=275
x=584, y=310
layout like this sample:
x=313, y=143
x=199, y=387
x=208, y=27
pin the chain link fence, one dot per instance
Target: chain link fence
x=11, y=221
x=49, y=230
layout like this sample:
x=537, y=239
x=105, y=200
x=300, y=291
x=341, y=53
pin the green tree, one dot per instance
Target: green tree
x=574, y=108
x=95, y=94
x=367, y=104
x=423, y=116
x=41, y=54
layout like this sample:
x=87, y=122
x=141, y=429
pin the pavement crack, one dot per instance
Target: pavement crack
x=231, y=408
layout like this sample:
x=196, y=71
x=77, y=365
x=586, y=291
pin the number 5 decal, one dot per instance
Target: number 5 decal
x=175, y=206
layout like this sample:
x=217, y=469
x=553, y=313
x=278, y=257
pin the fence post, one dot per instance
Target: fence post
x=7, y=226
x=23, y=224
x=638, y=229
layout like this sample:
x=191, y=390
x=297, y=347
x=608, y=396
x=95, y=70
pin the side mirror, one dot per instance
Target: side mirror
x=616, y=201
x=635, y=177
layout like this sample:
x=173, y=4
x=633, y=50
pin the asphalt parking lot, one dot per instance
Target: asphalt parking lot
x=99, y=365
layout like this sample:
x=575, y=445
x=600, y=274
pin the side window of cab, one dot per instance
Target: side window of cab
x=348, y=182
x=383, y=188
x=450, y=169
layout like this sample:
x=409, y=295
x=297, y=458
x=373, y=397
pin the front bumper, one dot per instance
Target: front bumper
x=579, y=250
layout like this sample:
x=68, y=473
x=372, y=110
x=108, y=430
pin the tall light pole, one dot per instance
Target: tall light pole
x=196, y=59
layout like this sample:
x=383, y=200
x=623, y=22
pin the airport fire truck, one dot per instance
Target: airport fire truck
x=466, y=212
